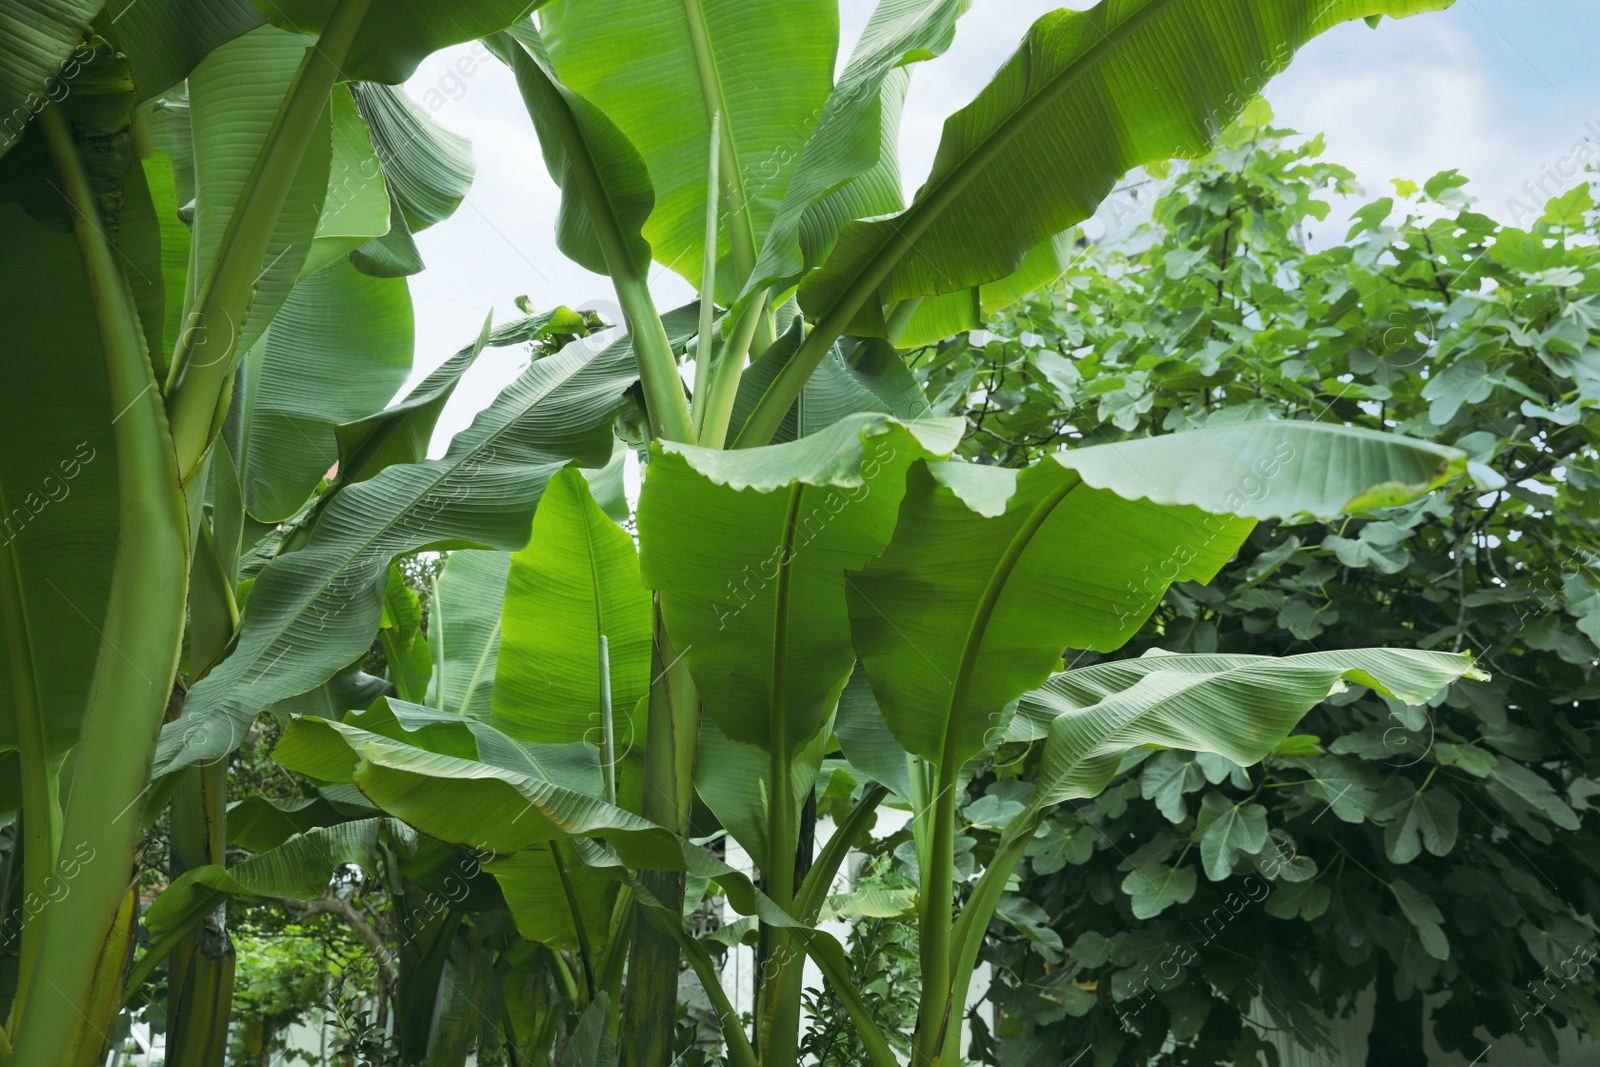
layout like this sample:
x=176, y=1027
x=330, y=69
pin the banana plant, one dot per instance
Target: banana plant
x=196, y=196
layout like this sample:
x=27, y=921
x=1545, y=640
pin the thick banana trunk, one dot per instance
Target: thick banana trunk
x=197, y=1032
x=671, y=737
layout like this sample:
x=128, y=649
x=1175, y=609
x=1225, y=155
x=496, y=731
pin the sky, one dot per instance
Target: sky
x=1501, y=90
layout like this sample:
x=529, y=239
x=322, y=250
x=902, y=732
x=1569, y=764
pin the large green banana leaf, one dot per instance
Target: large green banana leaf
x=58, y=480
x=574, y=583
x=426, y=168
x=464, y=631
x=40, y=36
x=850, y=166
x=749, y=551
x=1240, y=707
x=938, y=317
x=493, y=804
x=166, y=39
x=396, y=35
x=992, y=573
x=337, y=351
x=58, y=464
x=312, y=751
x=1088, y=96
x=234, y=95
x=311, y=612
x=298, y=869
x=606, y=194
x=660, y=69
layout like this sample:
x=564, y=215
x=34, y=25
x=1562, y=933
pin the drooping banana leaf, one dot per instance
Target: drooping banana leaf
x=311, y=612
x=40, y=37
x=576, y=581
x=661, y=70
x=850, y=165
x=336, y=352
x=585, y=152
x=501, y=808
x=606, y=197
x=992, y=572
x=1088, y=96
x=308, y=748
x=1240, y=707
x=166, y=39
x=749, y=551
x=259, y=823
x=426, y=168
x=298, y=869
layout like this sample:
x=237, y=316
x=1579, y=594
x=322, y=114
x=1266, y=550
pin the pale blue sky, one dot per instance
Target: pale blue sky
x=1499, y=89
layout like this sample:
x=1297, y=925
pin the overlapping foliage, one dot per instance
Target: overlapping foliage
x=518, y=756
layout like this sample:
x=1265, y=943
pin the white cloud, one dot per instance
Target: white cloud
x=1422, y=95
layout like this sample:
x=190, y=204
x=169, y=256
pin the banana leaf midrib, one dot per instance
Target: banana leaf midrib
x=932, y=199
x=731, y=177
x=477, y=671
x=983, y=612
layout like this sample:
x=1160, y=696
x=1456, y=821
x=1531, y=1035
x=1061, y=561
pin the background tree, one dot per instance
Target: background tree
x=1442, y=850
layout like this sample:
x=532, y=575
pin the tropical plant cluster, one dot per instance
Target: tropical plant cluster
x=527, y=718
